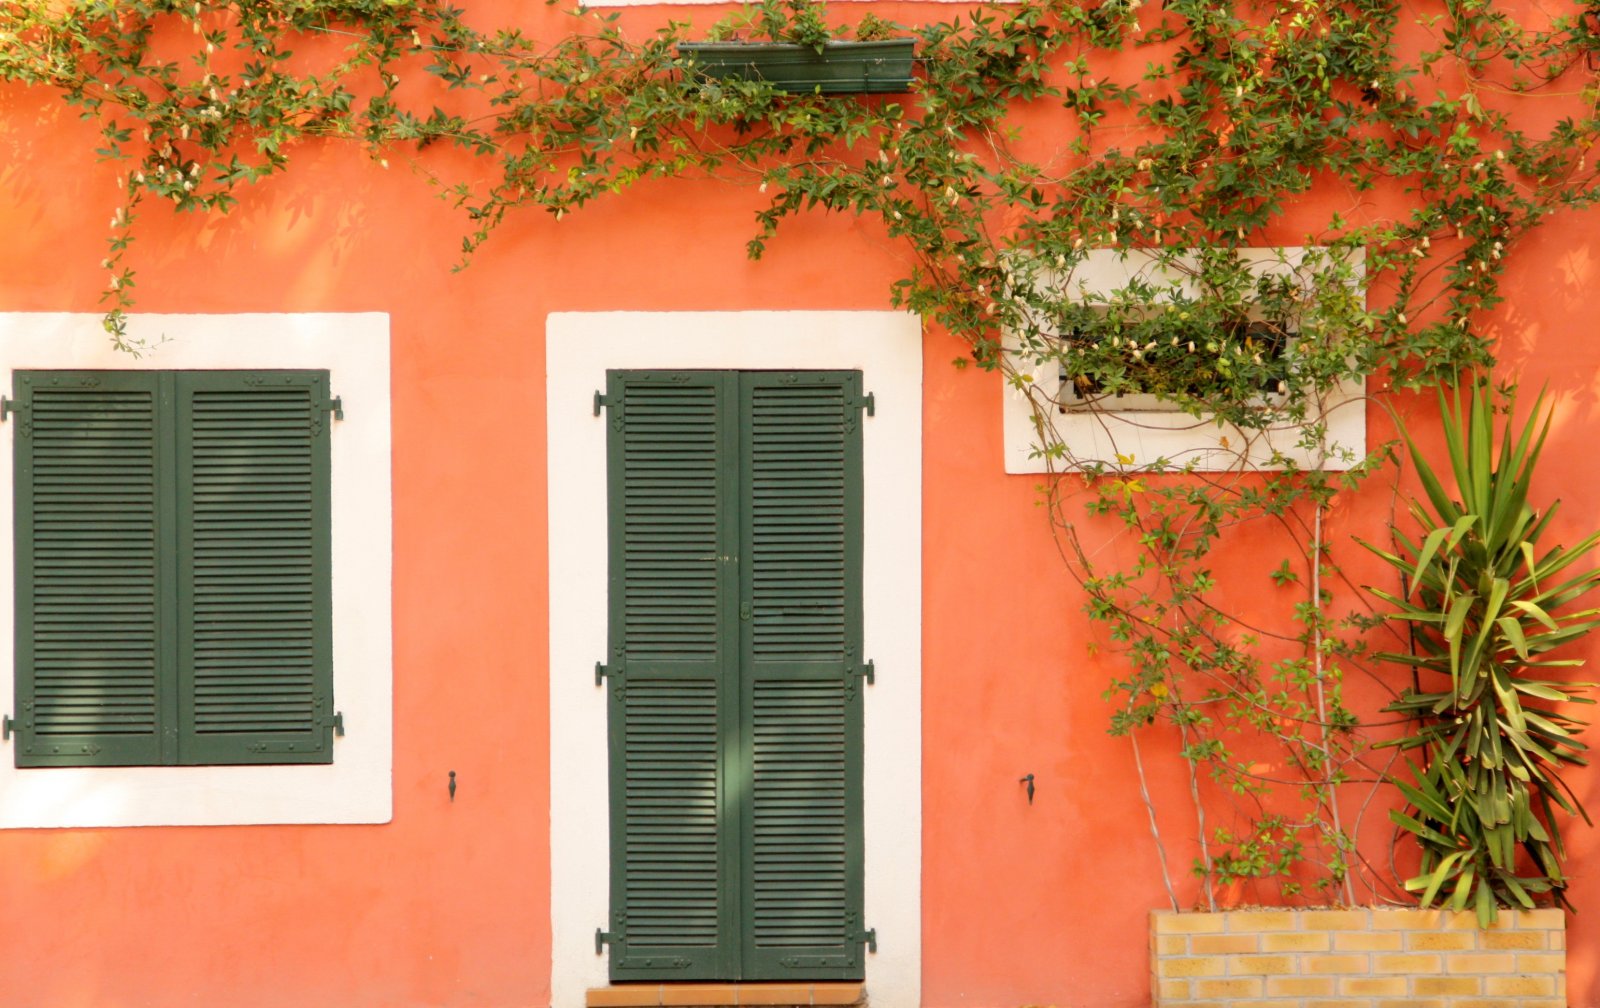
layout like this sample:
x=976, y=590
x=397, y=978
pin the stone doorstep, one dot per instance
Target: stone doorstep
x=723, y=995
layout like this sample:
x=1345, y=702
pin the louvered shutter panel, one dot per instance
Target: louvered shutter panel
x=801, y=647
x=672, y=498
x=88, y=528
x=254, y=671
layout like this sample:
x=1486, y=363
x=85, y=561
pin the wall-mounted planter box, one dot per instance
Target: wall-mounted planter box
x=1357, y=958
x=840, y=68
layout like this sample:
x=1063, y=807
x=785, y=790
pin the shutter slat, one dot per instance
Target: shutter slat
x=87, y=578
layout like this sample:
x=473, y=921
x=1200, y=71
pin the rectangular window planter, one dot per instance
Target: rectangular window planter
x=882, y=67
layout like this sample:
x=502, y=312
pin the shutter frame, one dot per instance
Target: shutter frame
x=799, y=655
x=744, y=947
x=168, y=584
x=253, y=685
x=650, y=885
x=57, y=411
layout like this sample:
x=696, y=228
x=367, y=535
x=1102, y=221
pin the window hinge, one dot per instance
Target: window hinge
x=870, y=936
x=604, y=938
x=867, y=672
x=601, y=670
x=868, y=400
x=336, y=405
x=338, y=723
x=601, y=400
x=8, y=406
x=7, y=726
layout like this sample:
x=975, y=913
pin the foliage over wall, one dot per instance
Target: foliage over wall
x=1407, y=147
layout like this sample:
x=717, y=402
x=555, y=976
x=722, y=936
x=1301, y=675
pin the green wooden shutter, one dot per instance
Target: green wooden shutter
x=671, y=709
x=735, y=711
x=254, y=665
x=800, y=650
x=88, y=530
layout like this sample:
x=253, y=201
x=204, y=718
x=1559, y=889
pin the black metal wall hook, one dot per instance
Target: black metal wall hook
x=1028, y=780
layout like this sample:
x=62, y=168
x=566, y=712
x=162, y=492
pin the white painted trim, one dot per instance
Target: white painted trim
x=1147, y=435
x=887, y=348
x=357, y=786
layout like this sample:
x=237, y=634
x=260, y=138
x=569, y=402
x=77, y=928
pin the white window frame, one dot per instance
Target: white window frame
x=887, y=348
x=1111, y=436
x=357, y=786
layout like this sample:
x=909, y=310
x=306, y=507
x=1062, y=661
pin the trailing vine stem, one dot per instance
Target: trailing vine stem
x=1244, y=210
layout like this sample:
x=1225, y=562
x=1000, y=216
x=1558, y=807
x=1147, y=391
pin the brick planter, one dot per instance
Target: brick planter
x=1364, y=958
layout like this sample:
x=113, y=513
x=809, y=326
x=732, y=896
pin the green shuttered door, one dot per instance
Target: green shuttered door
x=172, y=543
x=735, y=714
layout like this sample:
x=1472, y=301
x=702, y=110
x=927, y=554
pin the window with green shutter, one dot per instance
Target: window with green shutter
x=172, y=568
x=734, y=673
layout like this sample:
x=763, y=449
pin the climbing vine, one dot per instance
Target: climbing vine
x=1085, y=188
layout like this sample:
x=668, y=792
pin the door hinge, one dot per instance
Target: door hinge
x=867, y=672
x=601, y=401
x=335, y=406
x=870, y=936
x=601, y=670
x=868, y=400
x=7, y=726
x=603, y=938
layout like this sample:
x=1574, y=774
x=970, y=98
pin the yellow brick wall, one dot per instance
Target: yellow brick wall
x=1370, y=958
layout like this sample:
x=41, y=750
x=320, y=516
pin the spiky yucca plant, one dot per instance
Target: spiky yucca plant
x=1487, y=606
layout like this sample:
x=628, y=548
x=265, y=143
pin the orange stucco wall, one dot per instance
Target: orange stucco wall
x=449, y=903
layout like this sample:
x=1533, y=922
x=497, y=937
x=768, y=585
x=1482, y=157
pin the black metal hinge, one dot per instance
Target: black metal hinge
x=601, y=401
x=8, y=406
x=335, y=406
x=338, y=723
x=603, y=938
x=867, y=672
x=7, y=726
x=868, y=400
x=870, y=936
x=601, y=670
